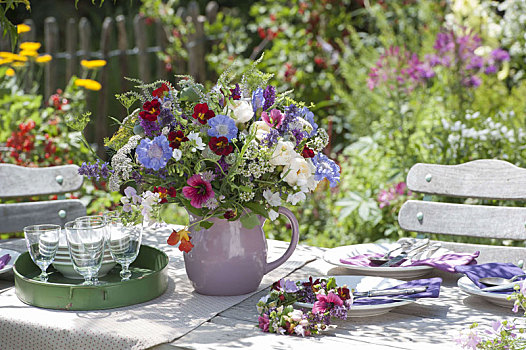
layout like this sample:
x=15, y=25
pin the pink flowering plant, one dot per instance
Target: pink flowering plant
x=277, y=314
x=238, y=151
x=500, y=335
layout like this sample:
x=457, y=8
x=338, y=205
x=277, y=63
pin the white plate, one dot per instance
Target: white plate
x=465, y=284
x=364, y=284
x=334, y=255
x=9, y=265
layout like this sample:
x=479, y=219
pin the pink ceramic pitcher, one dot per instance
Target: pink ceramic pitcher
x=228, y=259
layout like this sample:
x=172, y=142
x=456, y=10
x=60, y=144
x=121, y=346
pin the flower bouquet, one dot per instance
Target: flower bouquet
x=238, y=151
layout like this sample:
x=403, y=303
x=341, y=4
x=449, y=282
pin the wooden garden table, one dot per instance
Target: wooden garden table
x=427, y=324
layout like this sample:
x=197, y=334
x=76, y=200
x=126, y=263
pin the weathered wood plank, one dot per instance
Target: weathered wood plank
x=85, y=38
x=102, y=110
x=122, y=42
x=16, y=216
x=140, y=39
x=463, y=220
x=485, y=178
x=196, y=43
x=51, y=46
x=211, y=10
x=162, y=42
x=71, y=48
x=17, y=181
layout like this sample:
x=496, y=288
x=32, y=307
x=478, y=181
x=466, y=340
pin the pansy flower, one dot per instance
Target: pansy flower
x=151, y=110
x=235, y=93
x=161, y=92
x=220, y=146
x=164, y=193
x=307, y=152
x=176, y=138
x=202, y=113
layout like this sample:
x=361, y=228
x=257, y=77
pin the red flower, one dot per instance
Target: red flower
x=229, y=214
x=151, y=110
x=161, y=92
x=307, y=152
x=198, y=191
x=162, y=193
x=176, y=137
x=172, y=192
x=220, y=146
x=185, y=246
x=202, y=113
x=344, y=293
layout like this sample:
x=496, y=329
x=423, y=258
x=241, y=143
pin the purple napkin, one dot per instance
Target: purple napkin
x=433, y=291
x=504, y=270
x=446, y=262
x=4, y=260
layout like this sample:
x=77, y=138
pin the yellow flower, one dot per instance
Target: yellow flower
x=10, y=72
x=88, y=84
x=22, y=28
x=44, y=58
x=19, y=58
x=18, y=64
x=5, y=60
x=9, y=55
x=29, y=53
x=29, y=45
x=93, y=63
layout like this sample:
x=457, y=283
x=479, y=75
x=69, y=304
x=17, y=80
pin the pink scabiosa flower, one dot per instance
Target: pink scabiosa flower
x=273, y=119
x=198, y=191
x=326, y=302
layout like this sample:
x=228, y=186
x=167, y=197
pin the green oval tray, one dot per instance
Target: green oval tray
x=149, y=280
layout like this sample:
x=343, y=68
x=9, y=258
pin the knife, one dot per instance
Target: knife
x=415, y=249
x=387, y=292
x=501, y=287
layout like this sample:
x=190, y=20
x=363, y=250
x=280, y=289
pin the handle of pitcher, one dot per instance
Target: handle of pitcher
x=293, y=240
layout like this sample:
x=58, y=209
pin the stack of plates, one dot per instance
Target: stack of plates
x=64, y=265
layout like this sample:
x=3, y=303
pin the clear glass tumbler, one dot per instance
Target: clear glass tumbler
x=42, y=244
x=86, y=241
x=124, y=242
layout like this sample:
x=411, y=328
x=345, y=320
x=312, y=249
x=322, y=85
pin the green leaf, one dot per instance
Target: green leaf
x=206, y=224
x=250, y=221
x=257, y=208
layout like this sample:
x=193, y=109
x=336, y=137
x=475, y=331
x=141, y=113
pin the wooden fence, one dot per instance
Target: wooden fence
x=115, y=44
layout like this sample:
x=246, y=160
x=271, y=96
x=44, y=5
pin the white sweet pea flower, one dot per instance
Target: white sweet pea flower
x=283, y=153
x=296, y=198
x=199, y=144
x=177, y=154
x=262, y=129
x=126, y=205
x=242, y=111
x=299, y=172
x=273, y=199
x=272, y=214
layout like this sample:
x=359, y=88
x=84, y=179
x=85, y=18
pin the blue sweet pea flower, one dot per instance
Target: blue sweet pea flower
x=326, y=169
x=258, y=100
x=222, y=125
x=309, y=116
x=154, y=154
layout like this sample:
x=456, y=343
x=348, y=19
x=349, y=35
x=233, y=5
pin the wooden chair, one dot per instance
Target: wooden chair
x=17, y=181
x=483, y=179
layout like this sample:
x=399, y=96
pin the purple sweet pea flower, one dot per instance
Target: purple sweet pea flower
x=288, y=286
x=500, y=55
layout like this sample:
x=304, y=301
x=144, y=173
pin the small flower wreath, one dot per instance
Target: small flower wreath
x=277, y=314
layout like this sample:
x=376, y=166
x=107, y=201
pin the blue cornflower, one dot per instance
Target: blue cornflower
x=309, y=116
x=326, y=169
x=257, y=99
x=222, y=125
x=154, y=154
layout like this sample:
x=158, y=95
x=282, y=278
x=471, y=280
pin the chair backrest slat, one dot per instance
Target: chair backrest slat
x=463, y=220
x=16, y=216
x=485, y=178
x=17, y=181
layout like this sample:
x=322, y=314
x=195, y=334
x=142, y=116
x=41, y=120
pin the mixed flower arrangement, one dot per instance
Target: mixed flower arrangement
x=277, y=314
x=235, y=152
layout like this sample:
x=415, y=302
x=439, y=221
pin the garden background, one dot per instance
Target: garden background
x=394, y=83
